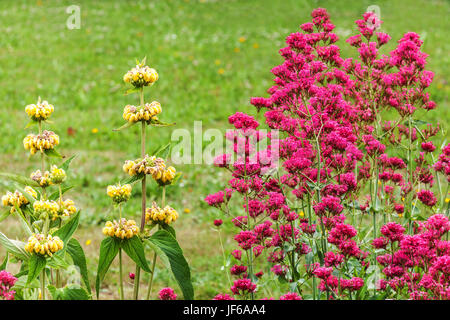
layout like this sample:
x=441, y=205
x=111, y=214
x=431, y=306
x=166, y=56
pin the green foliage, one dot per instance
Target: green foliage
x=109, y=248
x=178, y=265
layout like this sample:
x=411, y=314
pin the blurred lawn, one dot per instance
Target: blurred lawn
x=212, y=56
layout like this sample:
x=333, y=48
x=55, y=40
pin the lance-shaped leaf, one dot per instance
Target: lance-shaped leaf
x=133, y=179
x=19, y=179
x=35, y=265
x=67, y=230
x=16, y=248
x=55, y=194
x=75, y=250
x=65, y=165
x=135, y=250
x=109, y=248
x=159, y=123
x=126, y=125
x=53, y=153
x=178, y=264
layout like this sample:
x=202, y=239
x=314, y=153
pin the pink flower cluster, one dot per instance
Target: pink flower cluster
x=7, y=281
x=333, y=144
x=167, y=294
x=418, y=264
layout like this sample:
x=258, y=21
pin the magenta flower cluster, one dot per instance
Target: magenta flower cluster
x=341, y=163
x=7, y=281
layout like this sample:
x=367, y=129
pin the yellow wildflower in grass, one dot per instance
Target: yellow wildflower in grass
x=302, y=214
x=46, y=208
x=11, y=199
x=57, y=175
x=44, y=180
x=149, y=165
x=94, y=130
x=242, y=39
x=46, y=141
x=141, y=76
x=44, y=246
x=187, y=210
x=119, y=193
x=40, y=110
x=157, y=215
x=256, y=45
x=166, y=176
x=217, y=62
x=146, y=113
x=122, y=229
x=221, y=71
x=88, y=242
x=67, y=208
x=237, y=50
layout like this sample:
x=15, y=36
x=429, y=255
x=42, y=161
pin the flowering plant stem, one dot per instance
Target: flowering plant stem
x=144, y=195
x=120, y=275
x=150, y=282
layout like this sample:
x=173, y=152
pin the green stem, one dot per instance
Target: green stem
x=43, y=285
x=121, y=275
x=144, y=197
x=150, y=282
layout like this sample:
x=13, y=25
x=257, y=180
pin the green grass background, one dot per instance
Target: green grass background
x=206, y=74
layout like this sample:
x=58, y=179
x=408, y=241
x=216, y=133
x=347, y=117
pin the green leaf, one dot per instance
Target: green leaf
x=55, y=195
x=65, y=165
x=109, y=248
x=169, y=229
x=19, y=179
x=125, y=126
x=69, y=292
x=135, y=250
x=163, y=151
x=180, y=268
x=35, y=265
x=53, y=153
x=5, y=214
x=132, y=90
x=30, y=124
x=21, y=283
x=5, y=263
x=159, y=123
x=16, y=248
x=133, y=179
x=57, y=262
x=67, y=230
x=75, y=250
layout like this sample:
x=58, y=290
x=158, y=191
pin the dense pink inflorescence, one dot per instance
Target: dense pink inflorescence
x=7, y=281
x=337, y=158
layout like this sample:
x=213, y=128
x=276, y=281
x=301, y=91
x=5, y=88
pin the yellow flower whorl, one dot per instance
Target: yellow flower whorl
x=147, y=112
x=122, y=229
x=44, y=246
x=119, y=193
x=157, y=215
x=141, y=76
x=40, y=110
x=46, y=141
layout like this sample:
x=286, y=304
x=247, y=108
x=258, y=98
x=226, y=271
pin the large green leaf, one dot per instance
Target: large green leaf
x=135, y=250
x=19, y=179
x=35, y=265
x=126, y=125
x=16, y=248
x=75, y=250
x=52, y=153
x=67, y=230
x=69, y=292
x=108, y=251
x=178, y=264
